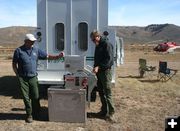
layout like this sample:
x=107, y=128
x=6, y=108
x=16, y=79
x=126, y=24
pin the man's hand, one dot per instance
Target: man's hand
x=61, y=54
x=14, y=66
x=52, y=57
x=95, y=69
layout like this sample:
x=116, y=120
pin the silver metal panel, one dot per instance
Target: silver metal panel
x=51, y=77
x=120, y=51
x=73, y=63
x=103, y=14
x=58, y=11
x=71, y=13
x=67, y=105
x=82, y=11
x=41, y=27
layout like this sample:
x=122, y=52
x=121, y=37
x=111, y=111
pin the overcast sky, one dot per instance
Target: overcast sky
x=121, y=12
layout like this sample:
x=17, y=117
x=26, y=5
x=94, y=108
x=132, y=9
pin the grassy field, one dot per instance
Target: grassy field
x=141, y=103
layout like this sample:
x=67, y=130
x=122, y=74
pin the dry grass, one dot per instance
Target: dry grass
x=141, y=103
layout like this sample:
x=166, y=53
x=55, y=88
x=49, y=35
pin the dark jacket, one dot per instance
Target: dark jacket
x=103, y=56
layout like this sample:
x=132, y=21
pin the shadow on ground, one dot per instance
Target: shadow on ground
x=94, y=115
x=150, y=81
x=141, y=79
x=16, y=115
x=9, y=86
x=129, y=76
x=44, y=114
x=12, y=116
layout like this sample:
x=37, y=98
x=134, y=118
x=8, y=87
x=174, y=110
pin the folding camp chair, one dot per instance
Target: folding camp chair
x=143, y=67
x=165, y=73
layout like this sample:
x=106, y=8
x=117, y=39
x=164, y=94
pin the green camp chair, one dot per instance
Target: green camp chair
x=143, y=68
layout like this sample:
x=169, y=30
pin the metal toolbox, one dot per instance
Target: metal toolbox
x=67, y=105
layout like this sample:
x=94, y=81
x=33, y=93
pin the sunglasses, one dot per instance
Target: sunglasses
x=94, y=38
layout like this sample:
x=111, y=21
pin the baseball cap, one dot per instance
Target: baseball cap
x=30, y=37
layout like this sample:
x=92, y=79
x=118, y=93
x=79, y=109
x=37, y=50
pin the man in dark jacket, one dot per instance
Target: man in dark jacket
x=103, y=60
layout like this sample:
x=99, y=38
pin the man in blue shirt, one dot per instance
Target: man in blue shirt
x=25, y=67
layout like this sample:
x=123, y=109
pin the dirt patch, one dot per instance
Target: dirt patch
x=141, y=103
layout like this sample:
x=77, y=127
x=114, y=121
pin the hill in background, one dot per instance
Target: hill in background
x=154, y=33
x=14, y=36
x=151, y=34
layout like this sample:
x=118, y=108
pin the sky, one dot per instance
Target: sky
x=121, y=12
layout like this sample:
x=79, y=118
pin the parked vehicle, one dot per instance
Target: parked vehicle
x=65, y=26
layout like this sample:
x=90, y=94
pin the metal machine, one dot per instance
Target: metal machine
x=79, y=75
x=65, y=26
x=68, y=103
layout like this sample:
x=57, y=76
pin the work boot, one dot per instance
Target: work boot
x=29, y=119
x=111, y=113
x=110, y=118
x=101, y=114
